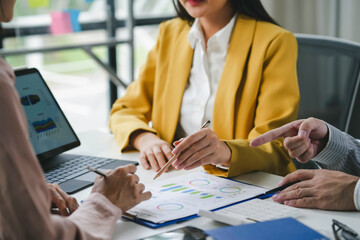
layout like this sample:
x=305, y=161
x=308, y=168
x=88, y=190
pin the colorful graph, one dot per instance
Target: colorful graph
x=230, y=189
x=44, y=125
x=170, y=187
x=170, y=207
x=199, y=182
x=173, y=187
x=30, y=100
x=183, y=195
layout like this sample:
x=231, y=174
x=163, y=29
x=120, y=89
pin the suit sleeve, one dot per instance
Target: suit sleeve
x=341, y=153
x=277, y=104
x=133, y=111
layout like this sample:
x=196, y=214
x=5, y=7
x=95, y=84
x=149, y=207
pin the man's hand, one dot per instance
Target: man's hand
x=323, y=189
x=304, y=139
x=64, y=203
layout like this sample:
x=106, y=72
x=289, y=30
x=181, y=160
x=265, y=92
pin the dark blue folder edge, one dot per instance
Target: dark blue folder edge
x=158, y=225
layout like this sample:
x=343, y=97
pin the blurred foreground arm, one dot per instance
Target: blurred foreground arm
x=26, y=198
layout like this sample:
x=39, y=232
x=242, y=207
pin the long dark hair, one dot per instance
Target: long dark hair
x=251, y=8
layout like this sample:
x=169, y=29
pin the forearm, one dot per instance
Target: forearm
x=271, y=158
x=96, y=218
x=25, y=208
x=124, y=125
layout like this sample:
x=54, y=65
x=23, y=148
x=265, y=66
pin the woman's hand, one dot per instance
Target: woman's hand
x=64, y=203
x=154, y=151
x=200, y=148
x=121, y=187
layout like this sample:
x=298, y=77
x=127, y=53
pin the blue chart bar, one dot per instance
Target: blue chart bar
x=203, y=194
x=187, y=191
x=170, y=188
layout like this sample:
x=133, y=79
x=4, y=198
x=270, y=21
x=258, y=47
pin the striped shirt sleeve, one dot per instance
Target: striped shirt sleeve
x=342, y=153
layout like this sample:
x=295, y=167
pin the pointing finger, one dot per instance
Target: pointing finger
x=284, y=131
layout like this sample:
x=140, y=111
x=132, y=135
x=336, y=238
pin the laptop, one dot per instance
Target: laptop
x=51, y=135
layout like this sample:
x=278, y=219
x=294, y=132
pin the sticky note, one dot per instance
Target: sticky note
x=60, y=23
x=74, y=18
x=38, y=3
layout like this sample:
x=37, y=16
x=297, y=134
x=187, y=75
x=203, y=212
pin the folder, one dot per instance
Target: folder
x=279, y=229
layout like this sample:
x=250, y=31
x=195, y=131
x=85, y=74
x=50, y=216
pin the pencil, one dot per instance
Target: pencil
x=172, y=159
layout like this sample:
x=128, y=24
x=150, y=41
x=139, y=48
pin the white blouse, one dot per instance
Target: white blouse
x=207, y=67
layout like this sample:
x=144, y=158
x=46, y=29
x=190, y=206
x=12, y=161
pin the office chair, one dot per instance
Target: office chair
x=353, y=124
x=328, y=72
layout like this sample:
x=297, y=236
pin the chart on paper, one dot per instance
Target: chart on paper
x=183, y=196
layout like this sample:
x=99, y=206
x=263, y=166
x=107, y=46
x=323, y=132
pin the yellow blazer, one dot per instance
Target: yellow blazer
x=258, y=91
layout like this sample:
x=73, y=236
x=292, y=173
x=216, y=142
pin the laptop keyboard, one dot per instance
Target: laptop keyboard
x=74, y=168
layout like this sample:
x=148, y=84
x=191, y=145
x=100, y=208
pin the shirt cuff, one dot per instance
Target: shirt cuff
x=222, y=167
x=335, y=148
x=103, y=205
x=357, y=195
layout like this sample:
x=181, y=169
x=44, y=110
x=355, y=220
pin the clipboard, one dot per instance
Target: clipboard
x=166, y=223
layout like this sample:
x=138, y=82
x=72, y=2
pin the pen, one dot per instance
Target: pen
x=277, y=189
x=172, y=159
x=100, y=172
x=97, y=171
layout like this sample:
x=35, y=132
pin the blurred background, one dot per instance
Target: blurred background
x=82, y=87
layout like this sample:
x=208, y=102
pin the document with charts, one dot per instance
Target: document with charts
x=183, y=196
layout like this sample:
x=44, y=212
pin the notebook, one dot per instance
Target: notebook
x=51, y=135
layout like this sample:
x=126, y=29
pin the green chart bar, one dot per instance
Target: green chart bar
x=208, y=196
x=169, y=185
x=179, y=189
x=195, y=192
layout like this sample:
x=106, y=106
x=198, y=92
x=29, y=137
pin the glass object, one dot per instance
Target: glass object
x=341, y=231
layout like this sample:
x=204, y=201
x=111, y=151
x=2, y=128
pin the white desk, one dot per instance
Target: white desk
x=101, y=143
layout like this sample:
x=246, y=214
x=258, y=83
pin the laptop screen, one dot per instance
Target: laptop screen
x=49, y=131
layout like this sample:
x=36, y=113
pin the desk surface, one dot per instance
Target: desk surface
x=101, y=143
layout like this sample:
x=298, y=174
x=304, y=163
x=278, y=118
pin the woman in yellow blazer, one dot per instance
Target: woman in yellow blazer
x=257, y=91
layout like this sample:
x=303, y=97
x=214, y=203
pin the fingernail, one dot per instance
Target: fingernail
x=302, y=134
x=275, y=197
x=280, y=183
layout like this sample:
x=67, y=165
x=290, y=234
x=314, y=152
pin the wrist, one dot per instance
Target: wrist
x=324, y=140
x=138, y=138
x=227, y=155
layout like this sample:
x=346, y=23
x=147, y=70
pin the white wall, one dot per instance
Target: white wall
x=338, y=18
